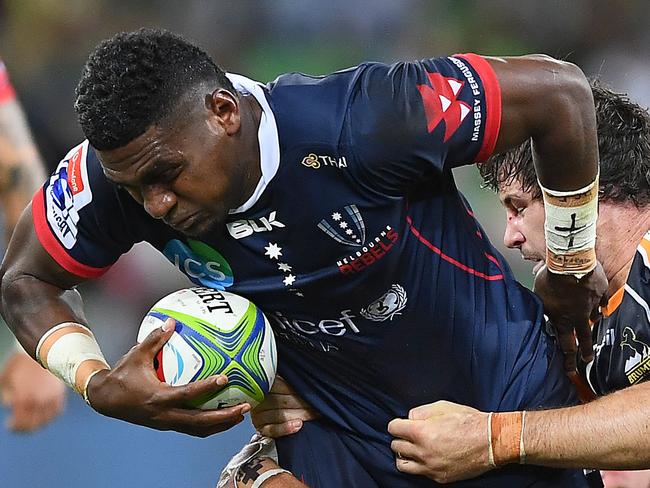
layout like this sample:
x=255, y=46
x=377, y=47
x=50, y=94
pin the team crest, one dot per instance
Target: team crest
x=637, y=365
x=345, y=227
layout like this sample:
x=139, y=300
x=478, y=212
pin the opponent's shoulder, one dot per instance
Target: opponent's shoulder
x=631, y=302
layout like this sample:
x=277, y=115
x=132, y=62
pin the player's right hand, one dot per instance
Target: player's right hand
x=570, y=305
x=131, y=391
x=282, y=412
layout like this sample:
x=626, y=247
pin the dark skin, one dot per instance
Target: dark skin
x=204, y=159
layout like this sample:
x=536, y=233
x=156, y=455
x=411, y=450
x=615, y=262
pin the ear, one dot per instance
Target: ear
x=224, y=110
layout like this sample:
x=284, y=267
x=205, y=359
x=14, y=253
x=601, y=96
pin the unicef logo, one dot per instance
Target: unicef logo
x=202, y=264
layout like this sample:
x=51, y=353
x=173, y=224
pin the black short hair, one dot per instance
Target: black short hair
x=623, y=145
x=134, y=80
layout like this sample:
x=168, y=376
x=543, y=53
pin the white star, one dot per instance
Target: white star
x=336, y=216
x=343, y=225
x=284, y=267
x=349, y=232
x=288, y=280
x=273, y=251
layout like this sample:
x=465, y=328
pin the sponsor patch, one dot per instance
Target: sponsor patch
x=66, y=194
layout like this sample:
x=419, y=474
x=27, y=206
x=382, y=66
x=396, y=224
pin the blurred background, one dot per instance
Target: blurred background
x=44, y=44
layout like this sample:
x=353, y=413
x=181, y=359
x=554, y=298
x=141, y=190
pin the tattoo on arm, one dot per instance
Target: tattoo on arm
x=250, y=471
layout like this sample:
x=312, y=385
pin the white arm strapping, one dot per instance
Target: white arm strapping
x=570, y=229
x=65, y=354
x=268, y=474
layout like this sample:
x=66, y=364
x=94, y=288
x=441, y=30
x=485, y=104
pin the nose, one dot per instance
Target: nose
x=158, y=201
x=512, y=236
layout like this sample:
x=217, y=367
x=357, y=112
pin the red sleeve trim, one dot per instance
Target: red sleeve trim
x=492, y=92
x=54, y=247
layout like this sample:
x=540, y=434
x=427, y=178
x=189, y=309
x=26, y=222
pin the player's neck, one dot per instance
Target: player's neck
x=251, y=118
x=620, y=228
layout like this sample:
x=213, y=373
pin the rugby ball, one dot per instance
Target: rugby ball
x=216, y=333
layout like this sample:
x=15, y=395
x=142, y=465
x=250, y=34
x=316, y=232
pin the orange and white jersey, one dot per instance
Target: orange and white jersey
x=622, y=336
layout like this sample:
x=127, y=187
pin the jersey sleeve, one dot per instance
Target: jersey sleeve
x=79, y=217
x=7, y=92
x=409, y=119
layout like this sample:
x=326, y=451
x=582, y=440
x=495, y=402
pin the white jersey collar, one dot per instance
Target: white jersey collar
x=267, y=136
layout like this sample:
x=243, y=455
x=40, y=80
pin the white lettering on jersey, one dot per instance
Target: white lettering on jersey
x=244, y=228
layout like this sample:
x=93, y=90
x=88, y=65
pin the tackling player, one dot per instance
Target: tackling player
x=330, y=203
x=610, y=432
x=34, y=396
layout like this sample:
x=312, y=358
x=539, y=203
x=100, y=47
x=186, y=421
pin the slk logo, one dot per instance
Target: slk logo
x=244, y=228
x=352, y=228
x=440, y=103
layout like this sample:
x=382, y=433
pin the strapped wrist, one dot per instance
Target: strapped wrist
x=570, y=229
x=70, y=351
x=506, y=438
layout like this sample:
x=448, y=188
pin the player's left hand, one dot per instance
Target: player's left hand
x=33, y=394
x=570, y=305
x=443, y=441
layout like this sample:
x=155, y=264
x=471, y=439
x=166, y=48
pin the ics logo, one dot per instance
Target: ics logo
x=201, y=263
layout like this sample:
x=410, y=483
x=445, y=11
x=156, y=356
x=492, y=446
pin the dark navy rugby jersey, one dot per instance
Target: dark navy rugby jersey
x=382, y=289
x=622, y=336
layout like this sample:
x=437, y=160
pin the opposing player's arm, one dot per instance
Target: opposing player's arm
x=42, y=307
x=611, y=432
x=551, y=102
x=448, y=442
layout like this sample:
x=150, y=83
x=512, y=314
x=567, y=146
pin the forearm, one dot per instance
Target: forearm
x=612, y=432
x=256, y=471
x=31, y=307
x=549, y=101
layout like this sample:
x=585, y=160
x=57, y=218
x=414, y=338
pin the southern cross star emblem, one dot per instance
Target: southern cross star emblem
x=284, y=267
x=273, y=251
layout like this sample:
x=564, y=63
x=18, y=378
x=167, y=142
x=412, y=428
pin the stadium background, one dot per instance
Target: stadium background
x=44, y=44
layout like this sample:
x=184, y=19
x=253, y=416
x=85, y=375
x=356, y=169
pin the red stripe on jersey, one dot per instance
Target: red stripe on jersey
x=449, y=259
x=54, y=247
x=7, y=92
x=492, y=92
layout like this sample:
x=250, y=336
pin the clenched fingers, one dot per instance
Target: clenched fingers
x=280, y=430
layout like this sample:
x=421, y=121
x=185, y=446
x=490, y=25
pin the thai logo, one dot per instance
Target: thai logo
x=201, y=263
x=315, y=161
x=345, y=227
x=386, y=306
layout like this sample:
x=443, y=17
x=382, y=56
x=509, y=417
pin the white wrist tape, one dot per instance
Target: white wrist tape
x=266, y=475
x=570, y=229
x=70, y=351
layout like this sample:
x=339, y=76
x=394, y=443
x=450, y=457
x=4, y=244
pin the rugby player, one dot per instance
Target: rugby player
x=607, y=433
x=33, y=395
x=330, y=203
